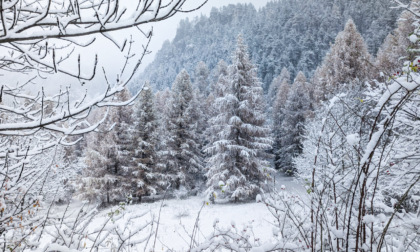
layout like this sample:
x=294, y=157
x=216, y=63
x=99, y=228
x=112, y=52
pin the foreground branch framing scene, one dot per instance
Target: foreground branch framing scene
x=283, y=125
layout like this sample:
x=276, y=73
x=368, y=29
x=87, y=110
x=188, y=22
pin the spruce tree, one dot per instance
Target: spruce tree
x=293, y=117
x=278, y=115
x=201, y=78
x=164, y=158
x=181, y=158
x=237, y=167
x=146, y=176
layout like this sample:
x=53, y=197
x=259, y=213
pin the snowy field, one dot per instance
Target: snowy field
x=177, y=218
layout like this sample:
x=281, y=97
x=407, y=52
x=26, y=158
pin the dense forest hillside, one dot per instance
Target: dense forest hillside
x=288, y=33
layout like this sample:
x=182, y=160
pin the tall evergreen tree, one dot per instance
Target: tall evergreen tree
x=292, y=124
x=278, y=115
x=164, y=158
x=237, y=168
x=108, y=156
x=181, y=160
x=275, y=85
x=347, y=61
x=147, y=178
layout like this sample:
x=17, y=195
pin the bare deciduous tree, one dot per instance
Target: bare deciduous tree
x=39, y=39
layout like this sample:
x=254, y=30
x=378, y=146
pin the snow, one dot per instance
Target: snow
x=175, y=228
x=353, y=139
x=413, y=38
x=178, y=218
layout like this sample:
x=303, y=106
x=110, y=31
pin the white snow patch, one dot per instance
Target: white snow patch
x=353, y=139
x=413, y=38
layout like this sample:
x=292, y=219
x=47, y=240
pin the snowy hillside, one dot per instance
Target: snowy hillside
x=288, y=33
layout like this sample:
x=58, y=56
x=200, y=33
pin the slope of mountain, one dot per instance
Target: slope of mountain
x=295, y=34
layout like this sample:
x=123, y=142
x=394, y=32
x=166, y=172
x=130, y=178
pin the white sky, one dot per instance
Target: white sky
x=111, y=60
x=166, y=30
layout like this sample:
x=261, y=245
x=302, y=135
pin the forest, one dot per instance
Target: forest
x=298, y=121
x=291, y=34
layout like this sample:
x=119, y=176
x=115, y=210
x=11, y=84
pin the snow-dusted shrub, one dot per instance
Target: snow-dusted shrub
x=361, y=172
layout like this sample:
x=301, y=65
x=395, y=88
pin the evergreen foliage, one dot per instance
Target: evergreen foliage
x=291, y=126
x=148, y=178
x=292, y=34
x=237, y=168
x=110, y=176
x=181, y=158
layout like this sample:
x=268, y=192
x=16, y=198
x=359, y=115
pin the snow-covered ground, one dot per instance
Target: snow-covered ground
x=177, y=217
x=176, y=222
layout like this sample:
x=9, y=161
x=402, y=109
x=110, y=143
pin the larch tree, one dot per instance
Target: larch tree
x=394, y=51
x=108, y=177
x=124, y=135
x=275, y=85
x=237, y=168
x=347, y=60
x=292, y=124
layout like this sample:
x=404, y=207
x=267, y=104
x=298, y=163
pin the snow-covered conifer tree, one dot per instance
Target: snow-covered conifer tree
x=237, y=167
x=147, y=178
x=291, y=119
x=124, y=122
x=99, y=181
x=180, y=156
x=201, y=78
x=164, y=158
x=107, y=177
x=275, y=85
x=278, y=116
x=394, y=48
x=347, y=61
